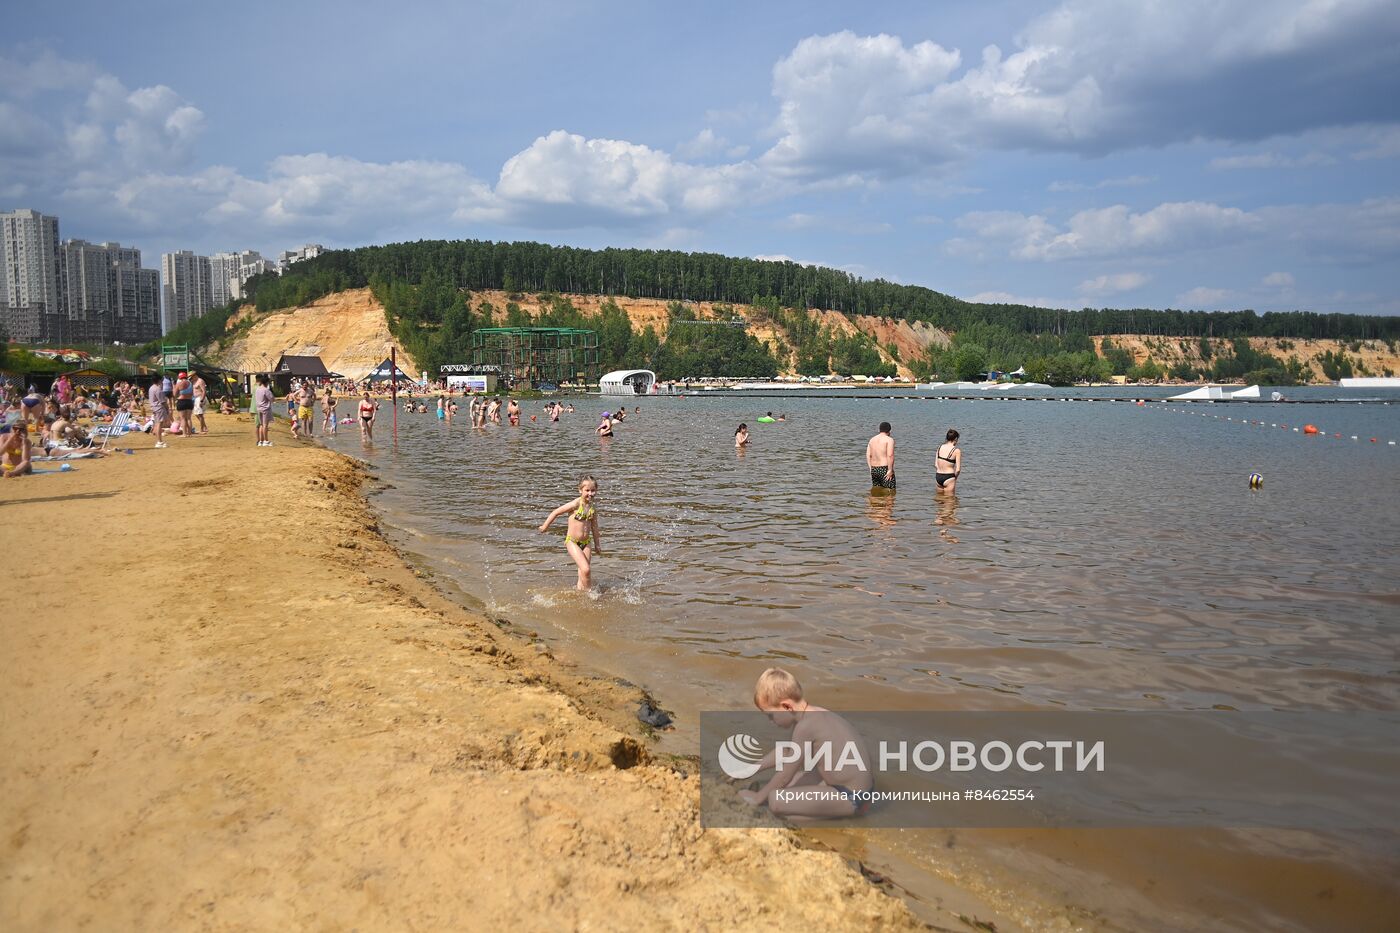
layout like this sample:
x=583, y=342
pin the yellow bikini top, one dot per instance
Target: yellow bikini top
x=584, y=512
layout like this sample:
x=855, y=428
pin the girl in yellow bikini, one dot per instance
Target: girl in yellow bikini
x=581, y=541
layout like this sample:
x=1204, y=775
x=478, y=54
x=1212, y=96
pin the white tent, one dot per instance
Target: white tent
x=628, y=382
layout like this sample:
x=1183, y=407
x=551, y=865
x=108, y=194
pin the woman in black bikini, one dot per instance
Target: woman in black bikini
x=947, y=464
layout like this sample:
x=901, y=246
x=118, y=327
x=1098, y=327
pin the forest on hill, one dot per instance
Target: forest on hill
x=425, y=289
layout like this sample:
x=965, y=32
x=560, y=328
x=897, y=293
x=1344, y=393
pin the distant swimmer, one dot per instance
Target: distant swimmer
x=605, y=426
x=741, y=436
x=513, y=411
x=947, y=464
x=879, y=455
x=582, y=540
x=554, y=411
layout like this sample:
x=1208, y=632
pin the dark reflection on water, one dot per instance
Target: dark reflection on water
x=1095, y=555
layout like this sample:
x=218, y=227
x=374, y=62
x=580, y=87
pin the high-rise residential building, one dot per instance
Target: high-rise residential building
x=74, y=292
x=29, y=277
x=186, y=287
x=230, y=272
x=223, y=273
x=309, y=251
x=105, y=295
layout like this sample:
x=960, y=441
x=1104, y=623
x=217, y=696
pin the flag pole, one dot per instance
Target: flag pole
x=394, y=387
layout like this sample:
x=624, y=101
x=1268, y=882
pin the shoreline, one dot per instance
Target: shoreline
x=233, y=703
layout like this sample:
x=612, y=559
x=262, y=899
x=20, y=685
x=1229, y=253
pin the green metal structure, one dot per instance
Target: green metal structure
x=175, y=356
x=534, y=355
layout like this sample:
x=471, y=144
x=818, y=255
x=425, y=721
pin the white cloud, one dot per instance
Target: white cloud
x=565, y=179
x=1104, y=232
x=1204, y=299
x=708, y=144
x=1116, y=284
x=1091, y=76
x=1127, y=181
x=843, y=97
x=1278, y=280
x=1384, y=144
x=1271, y=160
x=1007, y=298
x=45, y=71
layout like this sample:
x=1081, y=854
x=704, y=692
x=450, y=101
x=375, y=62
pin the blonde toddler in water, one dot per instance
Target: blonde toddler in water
x=582, y=540
x=778, y=694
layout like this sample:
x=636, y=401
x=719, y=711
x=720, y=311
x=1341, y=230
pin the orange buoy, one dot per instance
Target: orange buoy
x=533, y=417
x=1373, y=440
x=1309, y=429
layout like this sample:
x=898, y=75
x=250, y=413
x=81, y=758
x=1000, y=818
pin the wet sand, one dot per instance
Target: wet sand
x=229, y=704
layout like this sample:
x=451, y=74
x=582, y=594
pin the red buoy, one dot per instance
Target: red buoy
x=1309, y=429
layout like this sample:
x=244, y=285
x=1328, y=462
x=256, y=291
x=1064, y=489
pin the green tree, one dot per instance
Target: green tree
x=969, y=361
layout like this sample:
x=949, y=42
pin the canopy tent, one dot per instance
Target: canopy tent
x=385, y=371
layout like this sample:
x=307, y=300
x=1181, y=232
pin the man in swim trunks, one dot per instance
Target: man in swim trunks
x=879, y=455
x=201, y=398
x=306, y=407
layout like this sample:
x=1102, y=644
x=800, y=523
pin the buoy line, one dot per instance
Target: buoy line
x=1307, y=430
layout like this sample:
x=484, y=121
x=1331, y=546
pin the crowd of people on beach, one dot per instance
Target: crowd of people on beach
x=175, y=405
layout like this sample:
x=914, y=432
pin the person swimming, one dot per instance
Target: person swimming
x=741, y=436
x=947, y=463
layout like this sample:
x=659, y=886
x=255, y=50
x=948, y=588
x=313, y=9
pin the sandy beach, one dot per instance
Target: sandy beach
x=230, y=705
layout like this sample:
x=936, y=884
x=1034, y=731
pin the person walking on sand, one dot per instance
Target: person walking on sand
x=184, y=404
x=367, y=410
x=263, y=400
x=167, y=391
x=582, y=540
x=159, y=413
x=879, y=456
x=328, y=412
x=201, y=397
x=306, y=407
x=947, y=464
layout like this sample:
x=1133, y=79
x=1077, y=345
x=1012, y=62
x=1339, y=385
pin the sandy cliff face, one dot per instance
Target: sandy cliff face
x=910, y=340
x=346, y=330
x=1376, y=356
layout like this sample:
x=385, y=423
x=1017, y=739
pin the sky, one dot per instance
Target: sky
x=1091, y=153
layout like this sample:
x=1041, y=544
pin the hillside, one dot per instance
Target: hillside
x=1368, y=357
x=346, y=330
x=909, y=339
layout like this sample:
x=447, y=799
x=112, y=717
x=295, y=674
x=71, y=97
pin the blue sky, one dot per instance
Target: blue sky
x=1108, y=154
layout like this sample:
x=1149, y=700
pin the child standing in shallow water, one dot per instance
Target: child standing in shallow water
x=581, y=541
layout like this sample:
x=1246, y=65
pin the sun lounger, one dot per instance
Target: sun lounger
x=120, y=425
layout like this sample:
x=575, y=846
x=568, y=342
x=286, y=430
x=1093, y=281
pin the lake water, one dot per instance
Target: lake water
x=1097, y=556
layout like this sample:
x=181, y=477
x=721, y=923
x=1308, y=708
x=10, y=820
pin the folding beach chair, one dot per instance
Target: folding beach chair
x=106, y=431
